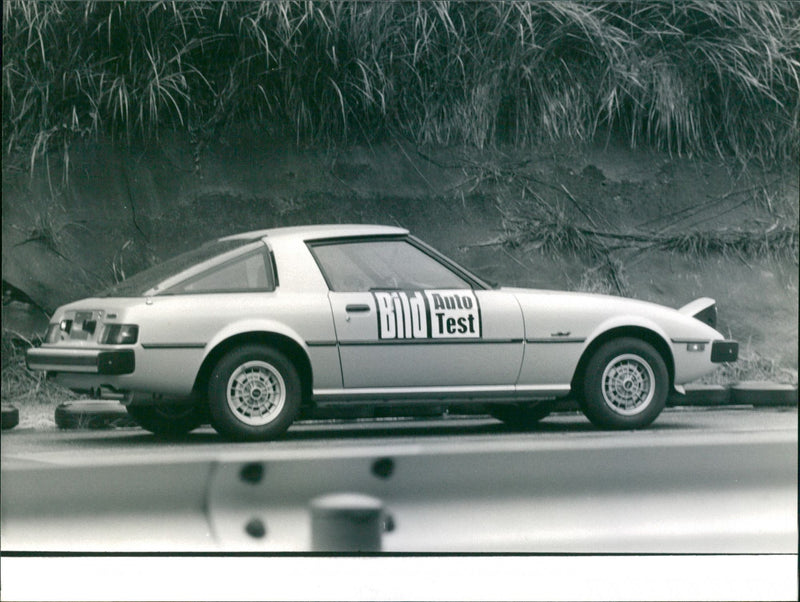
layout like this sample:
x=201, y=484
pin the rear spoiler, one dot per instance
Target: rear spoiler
x=703, y=309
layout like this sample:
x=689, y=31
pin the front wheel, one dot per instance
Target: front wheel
x=626, y=385
x=254, y=394
x=168, y=421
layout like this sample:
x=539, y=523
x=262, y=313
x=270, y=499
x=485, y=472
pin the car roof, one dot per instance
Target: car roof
x=313, y=232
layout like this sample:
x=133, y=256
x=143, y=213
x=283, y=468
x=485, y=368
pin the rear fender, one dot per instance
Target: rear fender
x=267, y=331
x=247, y=326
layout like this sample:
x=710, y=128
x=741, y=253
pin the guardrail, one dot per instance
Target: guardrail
x=649, y=493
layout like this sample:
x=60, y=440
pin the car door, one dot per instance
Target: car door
x=405, y=320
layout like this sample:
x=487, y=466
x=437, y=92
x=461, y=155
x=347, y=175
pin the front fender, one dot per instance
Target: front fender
x=616, y=322
x=632, y=322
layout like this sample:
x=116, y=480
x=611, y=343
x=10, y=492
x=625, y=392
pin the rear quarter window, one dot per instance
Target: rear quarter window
x=250, y=273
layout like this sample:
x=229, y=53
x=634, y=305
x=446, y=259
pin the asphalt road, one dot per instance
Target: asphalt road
x=85, y=446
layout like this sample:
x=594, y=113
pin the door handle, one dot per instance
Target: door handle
x=356, y=308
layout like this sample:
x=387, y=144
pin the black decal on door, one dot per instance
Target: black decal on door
x=437, y=314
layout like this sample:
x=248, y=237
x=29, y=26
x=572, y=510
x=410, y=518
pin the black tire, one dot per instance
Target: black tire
x=701, y=395
x=10, y=417
x=167, y=421
x=521, y=416
x=763, y=393
x=254, y=394
x=626, y=385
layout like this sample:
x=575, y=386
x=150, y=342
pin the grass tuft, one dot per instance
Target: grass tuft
x=751, y=365
x=774, y=242
x=24, y=387
x=49, y=227
x=607, y=278
x=550, y=231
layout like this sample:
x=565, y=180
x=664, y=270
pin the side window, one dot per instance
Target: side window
x=250, y=273
x=383, y=264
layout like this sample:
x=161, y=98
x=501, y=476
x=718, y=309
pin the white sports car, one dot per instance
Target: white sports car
x=251, y=331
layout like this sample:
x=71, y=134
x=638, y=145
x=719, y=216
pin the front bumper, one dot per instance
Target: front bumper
x=85, y=361
x=724, y=351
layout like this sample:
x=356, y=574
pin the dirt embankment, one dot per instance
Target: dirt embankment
x=608, y=219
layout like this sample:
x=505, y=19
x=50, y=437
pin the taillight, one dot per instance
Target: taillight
x=55, y=330
x=120, y=334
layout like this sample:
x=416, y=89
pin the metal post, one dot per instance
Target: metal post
x=346, y=522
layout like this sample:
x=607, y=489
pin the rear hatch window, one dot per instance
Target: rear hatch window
x=138, y=284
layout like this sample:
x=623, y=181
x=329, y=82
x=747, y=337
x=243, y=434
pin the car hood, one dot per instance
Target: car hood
x=585, y=315
x=588, y=298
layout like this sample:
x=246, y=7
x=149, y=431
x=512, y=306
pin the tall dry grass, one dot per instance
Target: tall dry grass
x=689, y=76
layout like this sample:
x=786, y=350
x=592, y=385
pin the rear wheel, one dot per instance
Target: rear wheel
x=626, y=385
x=167, y=420
x=254, y=394
x=521, y=415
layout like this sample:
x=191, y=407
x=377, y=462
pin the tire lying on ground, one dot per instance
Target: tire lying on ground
x=763, y=393
x=10, y=417
x=92, y=415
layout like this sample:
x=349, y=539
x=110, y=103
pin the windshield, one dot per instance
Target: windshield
x=138, y=284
